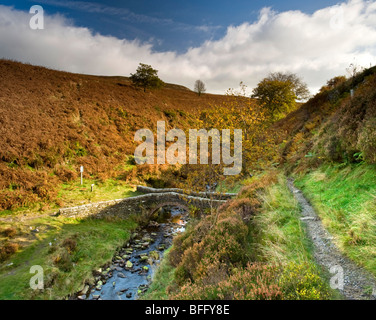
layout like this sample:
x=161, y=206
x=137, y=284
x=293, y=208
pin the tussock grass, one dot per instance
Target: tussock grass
x=277, y=235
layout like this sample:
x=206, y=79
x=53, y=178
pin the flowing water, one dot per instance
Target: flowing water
x=132, y=268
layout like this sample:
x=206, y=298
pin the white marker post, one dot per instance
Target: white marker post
x=82, y=170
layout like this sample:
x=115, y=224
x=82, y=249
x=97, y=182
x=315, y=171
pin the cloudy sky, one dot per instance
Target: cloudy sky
x=219, y=42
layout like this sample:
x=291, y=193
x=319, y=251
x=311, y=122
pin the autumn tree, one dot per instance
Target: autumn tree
x=333, y=83
x=199, y=87
x=238, y=111
x=146, y=77
x=279, y=92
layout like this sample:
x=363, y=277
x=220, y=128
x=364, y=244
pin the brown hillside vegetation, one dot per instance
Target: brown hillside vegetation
x=332, y=126
x=52, y=122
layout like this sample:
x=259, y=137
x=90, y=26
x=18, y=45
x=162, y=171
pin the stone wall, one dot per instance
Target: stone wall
x=144, y=204
x=211, y=195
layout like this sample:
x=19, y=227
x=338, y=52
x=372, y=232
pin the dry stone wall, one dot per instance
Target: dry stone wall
x=145, y=204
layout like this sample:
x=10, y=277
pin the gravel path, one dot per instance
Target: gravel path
x=358, y=284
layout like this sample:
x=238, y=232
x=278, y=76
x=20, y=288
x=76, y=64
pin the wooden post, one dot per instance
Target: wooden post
x=82, y=170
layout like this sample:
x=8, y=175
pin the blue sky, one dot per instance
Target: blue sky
x=170, y=25
x=219, y=42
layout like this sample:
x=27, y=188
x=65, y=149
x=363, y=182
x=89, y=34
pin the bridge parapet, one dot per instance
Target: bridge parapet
x=210, y=195
x=145, y=204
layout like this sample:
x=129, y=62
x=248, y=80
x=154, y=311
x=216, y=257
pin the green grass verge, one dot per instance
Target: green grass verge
x=278, y=236
x=276, y=233
x=344, y=198
x=67, y=250
x=74, y=194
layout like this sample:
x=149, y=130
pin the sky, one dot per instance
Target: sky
x=219, y=42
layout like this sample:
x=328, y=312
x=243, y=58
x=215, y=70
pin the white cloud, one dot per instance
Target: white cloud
x=316, y=47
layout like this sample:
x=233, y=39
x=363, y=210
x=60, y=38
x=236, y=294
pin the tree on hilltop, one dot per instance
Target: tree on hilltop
x=146, y=77
x=199, y=87
x=278, y=93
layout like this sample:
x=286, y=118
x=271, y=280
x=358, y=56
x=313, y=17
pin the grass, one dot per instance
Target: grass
x=91, y=244
x=65, y=270
x=74, y=194
x=277, y=234
x=344, y=198
x=230, y=185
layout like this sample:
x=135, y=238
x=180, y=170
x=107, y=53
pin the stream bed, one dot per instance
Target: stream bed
x=131, y=270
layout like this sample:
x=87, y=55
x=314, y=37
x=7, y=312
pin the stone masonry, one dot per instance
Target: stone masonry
x=146, y=204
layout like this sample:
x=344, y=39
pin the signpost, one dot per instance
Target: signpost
x=82, y=170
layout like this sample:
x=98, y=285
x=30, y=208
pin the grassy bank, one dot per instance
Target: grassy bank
x=73, y=194
x=277, y=235
x=76, y=194
x=67, y=250
x=344, y=198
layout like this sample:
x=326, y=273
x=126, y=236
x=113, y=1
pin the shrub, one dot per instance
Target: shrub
x=65, y=174
x=63, y=261
x=9, y=232
x=254, y=282
x=8, y=249
x=70, y=244
x=10, y=200
x=216, y=242
x=252, y=189
x=302, y=282
x=170, y=114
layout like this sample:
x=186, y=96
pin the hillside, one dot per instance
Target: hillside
x=52, y=122
x=329, y=147
x=332, y=126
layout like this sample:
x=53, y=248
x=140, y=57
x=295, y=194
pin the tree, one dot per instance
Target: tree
x=238, y=111
x=199, y=87
x=146, y=77
x=278, y=93
x=333, y=83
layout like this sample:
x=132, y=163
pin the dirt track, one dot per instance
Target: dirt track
x=358, y=284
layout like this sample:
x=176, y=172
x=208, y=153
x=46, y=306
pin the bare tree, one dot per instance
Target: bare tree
x=199, y=87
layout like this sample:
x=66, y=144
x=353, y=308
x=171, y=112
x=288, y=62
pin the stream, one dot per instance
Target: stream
x=131, y=270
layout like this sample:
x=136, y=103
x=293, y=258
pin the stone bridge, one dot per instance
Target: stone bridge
x=148, y=203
